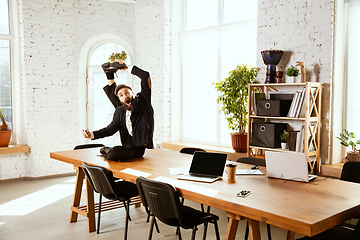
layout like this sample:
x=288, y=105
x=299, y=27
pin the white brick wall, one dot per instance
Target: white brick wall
x=53, y=32
x=304, y=30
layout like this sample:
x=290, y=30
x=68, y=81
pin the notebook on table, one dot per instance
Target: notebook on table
x=289, y=166
x=206, y=167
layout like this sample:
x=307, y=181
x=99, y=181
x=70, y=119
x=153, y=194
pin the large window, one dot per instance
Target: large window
x=100, y=109
x=216, y=36
x=352, y=68
x=6, y=43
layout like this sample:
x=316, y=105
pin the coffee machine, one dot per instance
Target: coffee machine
x=271, y=58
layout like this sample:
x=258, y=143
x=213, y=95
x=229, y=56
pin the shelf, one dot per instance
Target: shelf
x=312, y=125
x=311, y=119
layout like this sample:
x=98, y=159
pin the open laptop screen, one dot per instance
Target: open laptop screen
x=208, y=163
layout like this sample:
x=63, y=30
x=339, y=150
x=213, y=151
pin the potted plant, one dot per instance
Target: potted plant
x=291, y=72
x=234, y=99
x=284, y=139
x=118, y=57
x=348, y=139
x=5, y=132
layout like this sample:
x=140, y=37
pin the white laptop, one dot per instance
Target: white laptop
x=289, y=166
x=206, y=167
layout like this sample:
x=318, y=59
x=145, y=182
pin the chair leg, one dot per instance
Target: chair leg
x=127, y=219
x=216, y=230
x=127, y=207
x=151, y=227
x=193, y=233
x=268, y=231
x=246, y=231
x=206, y=224
x=98, y=225
x=179, y=233
x=156, y=226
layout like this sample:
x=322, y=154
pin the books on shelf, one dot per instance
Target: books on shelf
x=297, y=107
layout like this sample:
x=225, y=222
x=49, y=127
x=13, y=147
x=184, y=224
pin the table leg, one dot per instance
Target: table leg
x=254, y=229
x=90, y=207
x=77, y=193
x=232, y=225
x=290, y=235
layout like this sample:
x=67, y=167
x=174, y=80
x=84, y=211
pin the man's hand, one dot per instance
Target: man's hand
x=86, y=134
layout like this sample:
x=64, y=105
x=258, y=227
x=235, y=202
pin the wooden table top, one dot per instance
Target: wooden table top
x=305, y=208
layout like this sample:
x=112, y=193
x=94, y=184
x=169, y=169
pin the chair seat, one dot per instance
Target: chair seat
x=193, y=217
x=127, y=190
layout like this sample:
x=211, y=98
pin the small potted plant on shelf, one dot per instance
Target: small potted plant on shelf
x=284, y=139
x=5, y=132
x=234, y=99
x=349, y=139
x=291, y=72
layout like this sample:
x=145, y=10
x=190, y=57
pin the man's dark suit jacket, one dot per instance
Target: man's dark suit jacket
x=142, y=115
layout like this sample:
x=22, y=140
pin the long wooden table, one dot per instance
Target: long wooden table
x=305, y=208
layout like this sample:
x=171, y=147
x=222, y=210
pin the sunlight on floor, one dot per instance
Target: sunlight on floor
x=37, y=200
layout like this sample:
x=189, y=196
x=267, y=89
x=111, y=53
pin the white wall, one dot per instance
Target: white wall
x=304, y=30
x=53, y=32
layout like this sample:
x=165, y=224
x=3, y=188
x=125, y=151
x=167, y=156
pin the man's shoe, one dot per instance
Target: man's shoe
x=105, y=150
x=117, y=65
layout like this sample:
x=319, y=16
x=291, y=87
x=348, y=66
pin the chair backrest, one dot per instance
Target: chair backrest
x=252, y=160
x=191, y=150
x=161, y=199
x=351, y=172
x=90, y=145
x=100, y=179
x=356, y=234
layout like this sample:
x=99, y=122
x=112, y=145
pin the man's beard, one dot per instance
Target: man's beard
x=127, y=103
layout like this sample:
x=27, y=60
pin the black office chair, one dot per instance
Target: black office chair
x=188, y=150
x=350, y=172
x=337, y=233
x=90, y=145
x=161, y=200
x=257, y=162
x=111, y=188
x=252, y=160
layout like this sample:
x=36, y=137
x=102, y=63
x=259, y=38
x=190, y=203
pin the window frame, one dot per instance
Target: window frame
x=179, y=30
x=13, y=38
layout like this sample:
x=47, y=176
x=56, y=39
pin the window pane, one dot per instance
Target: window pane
x=4, y=17
x=102, y=53
x=201, y=14
x=353, y=109
x=199, y=95
x=5, y=81
x=239, y=10
x=234, y=50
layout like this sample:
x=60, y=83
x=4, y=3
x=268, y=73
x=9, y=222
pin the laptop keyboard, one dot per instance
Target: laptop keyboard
x=202, y=175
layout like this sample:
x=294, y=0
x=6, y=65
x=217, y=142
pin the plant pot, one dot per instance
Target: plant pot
x=353, y=156
x=239, y=142
x=5, y=138
x=284, y=145
x=291, y=79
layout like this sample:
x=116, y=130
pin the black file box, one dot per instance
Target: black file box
x=273, y=108
x=267, y=134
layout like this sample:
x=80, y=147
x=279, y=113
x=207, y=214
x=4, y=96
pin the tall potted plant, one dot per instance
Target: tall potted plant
x=5, y=132
x=234, y=99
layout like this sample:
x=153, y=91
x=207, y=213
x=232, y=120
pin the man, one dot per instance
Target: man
x=133, y=116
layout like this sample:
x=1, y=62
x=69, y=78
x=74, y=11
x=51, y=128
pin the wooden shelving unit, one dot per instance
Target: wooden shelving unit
x=311, y=121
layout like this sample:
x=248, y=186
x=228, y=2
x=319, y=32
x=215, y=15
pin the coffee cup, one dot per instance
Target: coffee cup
x=231, y=171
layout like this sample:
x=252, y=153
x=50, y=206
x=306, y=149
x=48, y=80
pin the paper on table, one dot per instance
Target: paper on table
x=248, y=172
x=135, y=172
x=178, y=170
